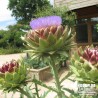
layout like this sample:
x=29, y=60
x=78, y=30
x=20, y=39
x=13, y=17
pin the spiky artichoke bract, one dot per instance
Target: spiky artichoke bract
x=84, y=64
x=12, y=75
x=9, y=66
x=49, y=37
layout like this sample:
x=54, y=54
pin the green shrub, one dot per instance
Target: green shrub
x=11, y=50
x=10, y=41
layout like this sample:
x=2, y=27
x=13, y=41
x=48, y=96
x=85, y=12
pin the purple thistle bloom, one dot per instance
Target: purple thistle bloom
x=45, y=22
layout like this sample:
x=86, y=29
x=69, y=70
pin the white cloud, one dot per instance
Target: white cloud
x=52, y=2
x=4, y=24
x=5, y=15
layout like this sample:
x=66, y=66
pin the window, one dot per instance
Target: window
x=82, y=35
x=95, y=33
x=87, y=31
x=81, y=31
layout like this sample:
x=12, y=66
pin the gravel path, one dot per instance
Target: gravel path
x=6, y=58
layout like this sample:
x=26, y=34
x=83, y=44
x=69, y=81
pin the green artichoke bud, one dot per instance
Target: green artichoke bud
x=53, y=39
x=84, y=65
x=12, y=76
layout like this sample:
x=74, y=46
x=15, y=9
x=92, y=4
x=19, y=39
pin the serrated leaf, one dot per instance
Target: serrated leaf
x=16, y=77
x=1, y=80
x=43, y=44
x=69, y=90
x=68, y=41
x=22, y=77
x=93, y=74
x=29, y=91
x=66, y=76
x=6, y=85
x=76, y=56
x=59, y=32
x=51, y=39
x=64, y=53
x=69, y=32
x=65, y=33
x=22, y=69
x=46, y=32
x=36, y=37
x=58, y=44
x=21, y=96
x=74, y=70
x=8, y=77
x=32, y=43
x=45, y=94
x=83, y=73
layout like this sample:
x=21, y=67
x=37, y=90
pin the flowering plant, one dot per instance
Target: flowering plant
x=12, y=75
x=48, y=37
x=49, y=40
x=84, y=64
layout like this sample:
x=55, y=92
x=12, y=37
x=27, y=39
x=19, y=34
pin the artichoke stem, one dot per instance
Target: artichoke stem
x=36, y=89
x=22, y=91
x=55, y=75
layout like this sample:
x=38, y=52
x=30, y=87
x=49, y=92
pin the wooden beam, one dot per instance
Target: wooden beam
x=76, y=4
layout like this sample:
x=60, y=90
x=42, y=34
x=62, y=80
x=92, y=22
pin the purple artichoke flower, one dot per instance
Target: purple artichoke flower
x=45, y=22
x=49, y=36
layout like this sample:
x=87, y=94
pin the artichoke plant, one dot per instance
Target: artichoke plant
x=49, y=37
x=12, y=75
x=84, y=64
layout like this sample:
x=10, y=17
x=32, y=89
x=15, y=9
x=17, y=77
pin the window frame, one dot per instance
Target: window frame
x=89, y=31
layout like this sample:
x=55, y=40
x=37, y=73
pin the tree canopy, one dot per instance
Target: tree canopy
x=24, y=10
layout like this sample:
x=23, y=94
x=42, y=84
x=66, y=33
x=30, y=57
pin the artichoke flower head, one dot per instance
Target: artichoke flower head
x=91, y=55
x=84, y=64
x=49, y=37
x=12, y=75
x=9, y=66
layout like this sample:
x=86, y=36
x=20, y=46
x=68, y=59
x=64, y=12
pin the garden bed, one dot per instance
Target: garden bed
x=44, y=74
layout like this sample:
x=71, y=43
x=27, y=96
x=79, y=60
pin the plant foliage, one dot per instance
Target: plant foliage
x=23, y=9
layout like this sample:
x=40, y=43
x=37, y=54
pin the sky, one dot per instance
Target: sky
x=5, y=15
x=51, y=2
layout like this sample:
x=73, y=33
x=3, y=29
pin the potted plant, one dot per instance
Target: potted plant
x=39, y=69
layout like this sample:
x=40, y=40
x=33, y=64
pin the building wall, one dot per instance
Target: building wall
x=75, y=4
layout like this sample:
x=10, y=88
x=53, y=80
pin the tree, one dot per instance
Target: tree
x=11, y=37
x=15, y=33
x=24, y=10
x=3, y=38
